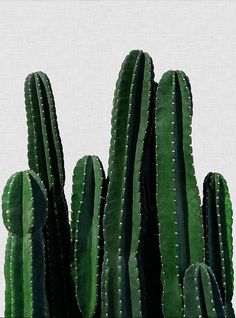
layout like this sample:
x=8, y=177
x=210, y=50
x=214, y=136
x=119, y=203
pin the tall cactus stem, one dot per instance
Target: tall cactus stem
x=45, y=157
x=123, y=211
x=178, y=200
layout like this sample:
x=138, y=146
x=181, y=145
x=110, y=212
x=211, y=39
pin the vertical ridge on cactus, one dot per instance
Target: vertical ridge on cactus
x=46, y=159
x=87, y=212
x=217, y=215
x=24, y=205
x=201, y=293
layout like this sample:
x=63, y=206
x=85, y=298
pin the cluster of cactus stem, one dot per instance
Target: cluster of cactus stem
x=138, y=242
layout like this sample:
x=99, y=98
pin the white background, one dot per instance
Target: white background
x=81, y=45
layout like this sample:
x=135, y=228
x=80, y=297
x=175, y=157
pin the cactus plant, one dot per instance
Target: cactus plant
x=201, y=293
x=122, y=277
x=135, y=245
x=24, y=205
x=88, y=197
x=45, y=157
x=178, y=201
x=217, y=216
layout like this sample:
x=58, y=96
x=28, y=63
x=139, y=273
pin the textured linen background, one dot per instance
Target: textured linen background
x=81, y=45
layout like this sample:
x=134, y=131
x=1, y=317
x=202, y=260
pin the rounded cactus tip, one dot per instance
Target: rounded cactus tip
x=24, y=203
x=33, y=75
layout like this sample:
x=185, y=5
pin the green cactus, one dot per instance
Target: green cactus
x=24, y=206
x=45, y=157
x=136, y=239
x=217, y=216
x=88, y=198
x=122, y=281
x=201, y=293
x=178, y=201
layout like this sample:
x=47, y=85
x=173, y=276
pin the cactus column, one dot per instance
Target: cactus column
x=24, y=205
x=88, y=198
x=178, y=201
x=45, y=157
x=122, y=281
x=201, y=293
x=217, y=216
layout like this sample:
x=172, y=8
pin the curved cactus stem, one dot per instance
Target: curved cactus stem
x=217, y=216
x=87, y=211
x=201, y=293
x=24, y=214
x=178, y=201
x=123, y=210
x=45, y=157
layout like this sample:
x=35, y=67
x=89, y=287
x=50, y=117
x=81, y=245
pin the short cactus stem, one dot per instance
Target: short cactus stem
x=178, y=200
x=217, y=216
x=24, y=205
x=201, y=293
x=88, y=198
x=45, y=157
x=122, y=281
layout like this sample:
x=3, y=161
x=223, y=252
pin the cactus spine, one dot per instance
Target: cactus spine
x=217, y=215
x=178, y=201
x=45, y=157
x=123, y=209
x=24, y=206
x=87, y=212
x=201, y=293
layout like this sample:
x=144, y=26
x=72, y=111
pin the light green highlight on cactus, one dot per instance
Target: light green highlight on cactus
x=88, y=183
x=24, y=205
